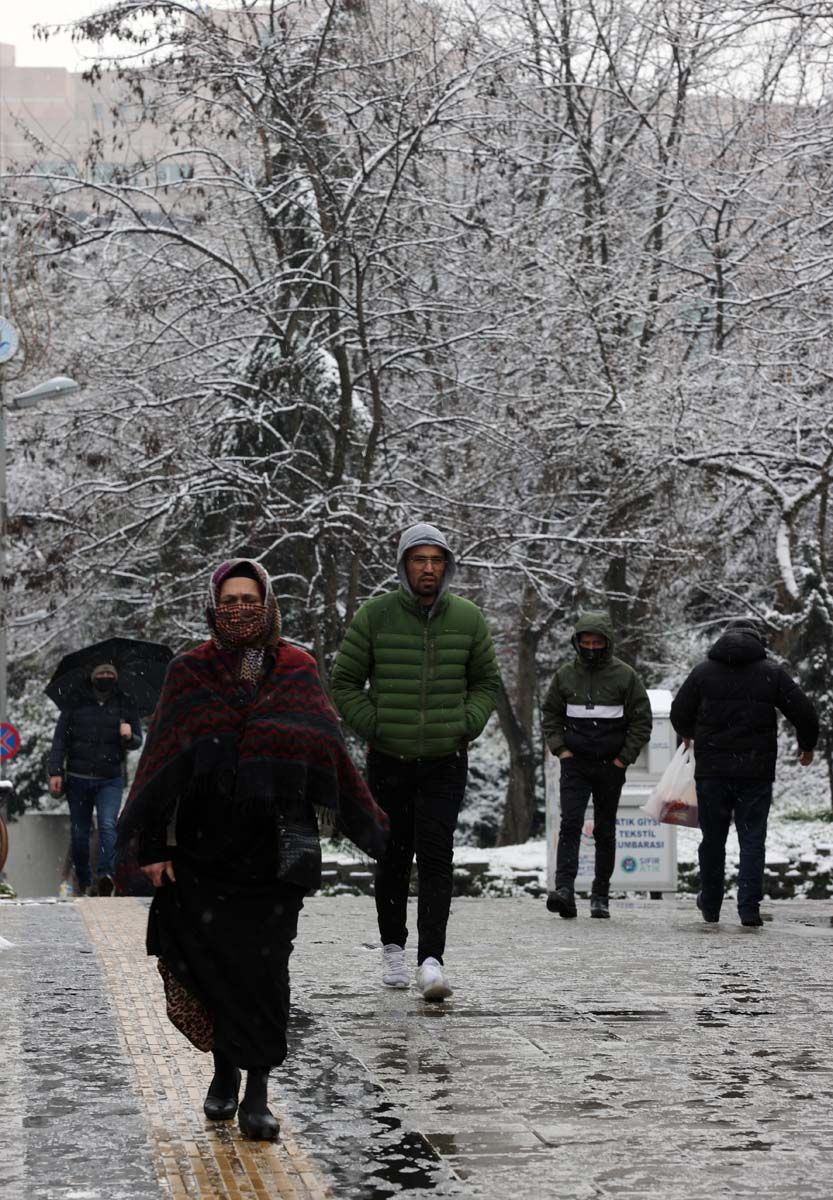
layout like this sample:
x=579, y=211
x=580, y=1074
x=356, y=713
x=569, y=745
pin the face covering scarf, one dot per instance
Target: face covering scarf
x=240, y=624
x=591, y=657
x=241, y=627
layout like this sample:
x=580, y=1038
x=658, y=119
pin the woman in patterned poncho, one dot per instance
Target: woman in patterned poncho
x=241, y=755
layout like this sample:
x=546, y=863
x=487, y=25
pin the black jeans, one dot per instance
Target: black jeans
x=422, y=799
x=581, y=779
x=717, y=801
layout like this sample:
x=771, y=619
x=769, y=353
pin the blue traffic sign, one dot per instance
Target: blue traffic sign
x=9, y=341
x=9, y=741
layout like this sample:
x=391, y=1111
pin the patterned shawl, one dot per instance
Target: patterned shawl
x=277, y=750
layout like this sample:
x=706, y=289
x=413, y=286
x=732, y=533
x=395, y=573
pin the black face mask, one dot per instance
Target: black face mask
x=591, y=657
x=104, y=686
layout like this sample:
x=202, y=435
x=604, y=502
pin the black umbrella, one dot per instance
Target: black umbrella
x=141, y=667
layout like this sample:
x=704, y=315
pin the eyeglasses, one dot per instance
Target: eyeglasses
x=424, y=560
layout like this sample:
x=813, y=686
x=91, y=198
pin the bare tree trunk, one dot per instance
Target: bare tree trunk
x=519, y=811
x=517, y=722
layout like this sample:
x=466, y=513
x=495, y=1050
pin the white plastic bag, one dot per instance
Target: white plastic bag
x=674, y=799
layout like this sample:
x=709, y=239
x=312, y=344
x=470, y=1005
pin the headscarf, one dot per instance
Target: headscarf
x=248, y=629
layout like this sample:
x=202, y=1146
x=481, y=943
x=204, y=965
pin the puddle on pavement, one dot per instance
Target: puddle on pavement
x=349, y=1126
x=628, y=1014
x=540, y=1014
x=753, y=1144
x=489, y=1142
x=736, y=996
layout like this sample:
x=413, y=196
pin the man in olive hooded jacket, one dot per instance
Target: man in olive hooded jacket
x=428, y=660
x=596, y=717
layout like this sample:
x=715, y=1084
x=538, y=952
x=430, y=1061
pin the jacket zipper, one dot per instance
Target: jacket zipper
x=424, y=688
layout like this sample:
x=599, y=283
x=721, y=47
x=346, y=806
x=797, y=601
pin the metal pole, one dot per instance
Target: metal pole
x=3, y=636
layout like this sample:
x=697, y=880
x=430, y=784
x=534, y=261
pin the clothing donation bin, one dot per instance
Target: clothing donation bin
x=646, y=851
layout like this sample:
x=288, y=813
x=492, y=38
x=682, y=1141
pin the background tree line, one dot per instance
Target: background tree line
x=555, y=275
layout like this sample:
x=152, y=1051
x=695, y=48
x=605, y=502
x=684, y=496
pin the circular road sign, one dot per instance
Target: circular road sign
x=9, y=741
x=9, y=341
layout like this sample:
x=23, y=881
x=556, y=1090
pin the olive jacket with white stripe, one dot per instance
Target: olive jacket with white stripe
x=599, y=711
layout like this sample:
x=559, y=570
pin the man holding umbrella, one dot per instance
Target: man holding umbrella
x=98, y=725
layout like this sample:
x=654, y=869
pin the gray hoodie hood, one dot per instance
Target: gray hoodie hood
x=424, y=535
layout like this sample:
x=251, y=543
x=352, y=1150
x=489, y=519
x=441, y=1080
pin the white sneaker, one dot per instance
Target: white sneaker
x=431, y=981
x=394, y=972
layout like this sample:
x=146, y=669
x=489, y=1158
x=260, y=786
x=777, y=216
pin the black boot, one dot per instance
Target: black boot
x=221, y=1102
x=709, y=915
x=253, y=1116
x=750, y=916
x=599, y=906
x=563, y=902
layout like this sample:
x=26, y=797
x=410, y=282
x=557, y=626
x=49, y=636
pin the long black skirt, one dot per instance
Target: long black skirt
x=223, y=948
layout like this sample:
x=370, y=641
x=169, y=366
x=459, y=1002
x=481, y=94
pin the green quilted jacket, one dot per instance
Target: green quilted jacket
x=433, y=680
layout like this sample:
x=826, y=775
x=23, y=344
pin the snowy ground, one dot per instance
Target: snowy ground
x=788, y=841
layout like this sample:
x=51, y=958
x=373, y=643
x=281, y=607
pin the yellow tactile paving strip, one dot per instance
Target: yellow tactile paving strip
x=193, y=1157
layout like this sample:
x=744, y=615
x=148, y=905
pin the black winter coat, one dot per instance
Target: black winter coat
x=728, y=706
x=87, y=739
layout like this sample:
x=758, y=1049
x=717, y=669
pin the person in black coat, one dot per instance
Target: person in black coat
x=87, y=762
x=728, y=706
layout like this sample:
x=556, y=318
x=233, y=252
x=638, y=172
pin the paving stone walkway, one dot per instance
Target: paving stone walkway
x=650, y=1057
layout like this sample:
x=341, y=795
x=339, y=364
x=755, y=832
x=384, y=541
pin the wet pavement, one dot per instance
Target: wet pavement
x=646, y=1057
x=66, y=1087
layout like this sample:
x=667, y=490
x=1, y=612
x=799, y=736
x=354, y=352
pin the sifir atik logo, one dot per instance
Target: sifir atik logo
x=629, y=864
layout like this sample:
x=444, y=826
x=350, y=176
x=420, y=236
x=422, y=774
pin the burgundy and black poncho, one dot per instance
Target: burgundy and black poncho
x=230, y=786
x=276, y=752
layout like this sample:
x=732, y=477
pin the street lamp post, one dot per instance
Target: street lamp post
x=61, y=385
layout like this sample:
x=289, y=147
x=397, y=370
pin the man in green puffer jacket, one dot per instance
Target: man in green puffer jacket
x=596, y=718
x=428, y=659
